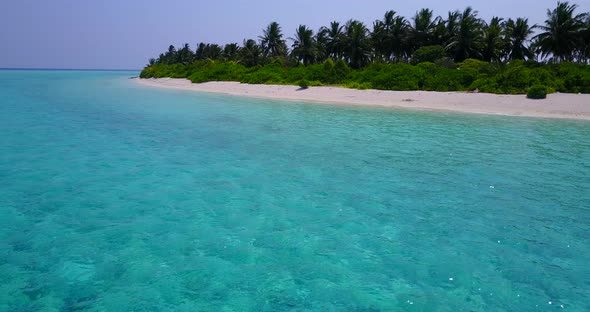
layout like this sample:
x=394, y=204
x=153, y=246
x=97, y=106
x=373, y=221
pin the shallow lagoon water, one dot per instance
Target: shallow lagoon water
x=118, y=197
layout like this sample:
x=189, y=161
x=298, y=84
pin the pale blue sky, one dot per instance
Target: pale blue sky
x=123, y=34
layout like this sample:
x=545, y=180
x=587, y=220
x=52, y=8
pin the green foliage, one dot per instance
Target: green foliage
x=316, y=72
x=303, y=84
x=460, y=36
x=165, y=70
x=224, y=71
x=359, y=86
x=537, y=92
x=456, y=52
x=561, y=34
x=445, y=62
x=517, y=77
x=398, y=76
x=428, y=54
x=329, y=65
x=486, y=85
x=439, y=78
x=262, y=77
x=472, y=70
x=576, y=78
x=341, y=71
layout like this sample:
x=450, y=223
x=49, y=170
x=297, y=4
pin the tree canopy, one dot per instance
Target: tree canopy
x=565, y=36
x=459, y=50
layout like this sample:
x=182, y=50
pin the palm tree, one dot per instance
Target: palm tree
x=467, y=40
x=169, y=57
x=383, y=33
x=272, y=41
x=380, y=42
x=185, y=55
x=424, y=27
x=250, y=54
x=334, y=40
x=391, y=37
x=585, y=51
x=517, y=35
x=451, y=27
x=357, y=44
x=214, y=51
x=208, y=51
x=304, y=46
x=200, y=52
x=230, y=51
x=561, y=32
x=321, y=46
x=401, y=46
x=492, y=41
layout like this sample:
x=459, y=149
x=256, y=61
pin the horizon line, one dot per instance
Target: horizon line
x=66, y=69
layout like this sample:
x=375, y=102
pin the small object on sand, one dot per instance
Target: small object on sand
x=408, y=100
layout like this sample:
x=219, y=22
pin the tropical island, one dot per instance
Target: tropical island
x=458, y=52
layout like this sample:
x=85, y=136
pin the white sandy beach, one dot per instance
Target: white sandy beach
x=570, y=106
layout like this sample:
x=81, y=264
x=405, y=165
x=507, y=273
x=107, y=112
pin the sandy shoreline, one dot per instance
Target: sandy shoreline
x=569, y=106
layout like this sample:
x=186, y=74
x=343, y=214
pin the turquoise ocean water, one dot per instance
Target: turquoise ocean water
x=118, y=197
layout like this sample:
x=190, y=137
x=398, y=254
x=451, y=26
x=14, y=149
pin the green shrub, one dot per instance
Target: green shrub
x=516, y=77
x=262, y=76
x=316, y=72
x=428, y=54
x=303, y=84
x=147, y=72
x=537, y=92
x=446, y=62
x=328, y=65
x=359, y=86
x=575, y=78
x=400, y=77
x=198, y=77
x=471, y=70
x=293, y=75
x=441, y=79
x=486, y=85
x=429, y=67
x=341, y=71
x=330, y=75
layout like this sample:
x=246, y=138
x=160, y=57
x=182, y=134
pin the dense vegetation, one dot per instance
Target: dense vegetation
x=457, y=53
x=537, y=92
